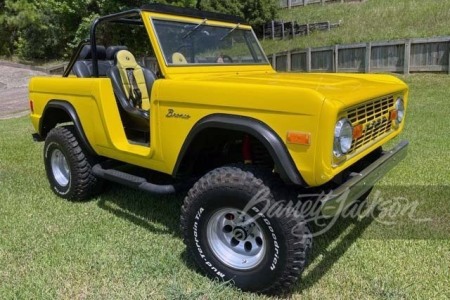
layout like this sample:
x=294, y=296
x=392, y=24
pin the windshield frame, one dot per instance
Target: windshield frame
x=232, y=26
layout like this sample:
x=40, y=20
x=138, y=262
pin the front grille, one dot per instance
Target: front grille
x=374, y=117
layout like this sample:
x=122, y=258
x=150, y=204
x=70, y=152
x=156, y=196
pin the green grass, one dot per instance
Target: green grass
x=126, y=244
x=372, y=20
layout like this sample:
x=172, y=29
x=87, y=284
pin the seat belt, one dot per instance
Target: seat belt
x=135, y=92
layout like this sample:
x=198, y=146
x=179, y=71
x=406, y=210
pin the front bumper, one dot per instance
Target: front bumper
x=351, y=190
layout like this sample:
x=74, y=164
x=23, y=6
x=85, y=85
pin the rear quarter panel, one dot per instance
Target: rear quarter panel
x=94, y=102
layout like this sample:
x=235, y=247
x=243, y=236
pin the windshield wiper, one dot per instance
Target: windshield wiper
x=195, y=28
x=230, y=31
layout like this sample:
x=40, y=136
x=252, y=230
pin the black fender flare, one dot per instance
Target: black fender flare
x=273, y=143
x=71, y=112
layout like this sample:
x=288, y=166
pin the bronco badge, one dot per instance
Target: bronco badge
x=172, y=114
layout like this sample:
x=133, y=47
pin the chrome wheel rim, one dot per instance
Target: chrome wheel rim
x=60, y=168
x=236, y=239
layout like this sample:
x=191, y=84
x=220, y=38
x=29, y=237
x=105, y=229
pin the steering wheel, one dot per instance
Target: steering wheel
x=187, y=46
x=225, y=57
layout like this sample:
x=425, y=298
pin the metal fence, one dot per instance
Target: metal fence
x=403, y=56
x=293, y=3
x=281, y=29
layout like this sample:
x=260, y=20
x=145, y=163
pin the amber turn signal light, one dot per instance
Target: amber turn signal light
x=393, y=115
x=300, y=138
x=357, y=131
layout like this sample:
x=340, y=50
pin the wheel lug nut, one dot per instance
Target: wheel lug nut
x=229, y=217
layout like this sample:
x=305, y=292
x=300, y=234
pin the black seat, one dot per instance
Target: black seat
x=83, y=66
x=132, y=85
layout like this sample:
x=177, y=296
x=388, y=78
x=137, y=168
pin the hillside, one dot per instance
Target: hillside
x=372, y=20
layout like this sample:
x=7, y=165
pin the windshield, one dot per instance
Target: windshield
x=185, y=44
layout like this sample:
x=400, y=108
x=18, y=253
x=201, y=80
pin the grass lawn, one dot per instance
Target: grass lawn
x=372, y=20
x=126, y=244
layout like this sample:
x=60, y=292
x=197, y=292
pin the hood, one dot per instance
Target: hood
x=349, y=89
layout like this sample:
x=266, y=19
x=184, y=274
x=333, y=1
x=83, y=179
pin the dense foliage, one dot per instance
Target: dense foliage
x=256, y=12
x=49, y=29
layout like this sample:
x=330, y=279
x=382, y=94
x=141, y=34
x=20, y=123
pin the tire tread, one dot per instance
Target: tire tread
x=249, y=176
x=84, y=183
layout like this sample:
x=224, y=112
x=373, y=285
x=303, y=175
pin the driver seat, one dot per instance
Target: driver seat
x=132, y=85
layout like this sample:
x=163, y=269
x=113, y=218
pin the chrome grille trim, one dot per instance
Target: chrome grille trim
x=373, y=115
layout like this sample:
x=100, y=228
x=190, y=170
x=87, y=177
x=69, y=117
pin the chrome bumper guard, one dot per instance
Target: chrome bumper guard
x=354, y=188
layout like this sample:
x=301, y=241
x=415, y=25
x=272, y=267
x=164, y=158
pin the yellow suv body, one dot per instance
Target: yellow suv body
x=215, y=100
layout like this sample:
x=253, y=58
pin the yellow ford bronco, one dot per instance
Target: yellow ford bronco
x=162, y=98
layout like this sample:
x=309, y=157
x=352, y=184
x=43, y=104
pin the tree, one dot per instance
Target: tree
x=14, y=17
x=49, y=29
x=256, y=12
x=39, y=29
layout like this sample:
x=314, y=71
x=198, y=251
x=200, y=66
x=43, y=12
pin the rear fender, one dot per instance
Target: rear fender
x=60, y=111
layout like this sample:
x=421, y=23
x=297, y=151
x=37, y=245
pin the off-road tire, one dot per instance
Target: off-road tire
x=287, y=237
x=79, y=183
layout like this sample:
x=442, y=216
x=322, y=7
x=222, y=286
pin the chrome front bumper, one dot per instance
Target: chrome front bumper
x=360, y=183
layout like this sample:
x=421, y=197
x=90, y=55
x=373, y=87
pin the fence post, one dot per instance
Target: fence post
x=322, y=2
x=264, y=31
x=282, y=29
x=273, y=29
x=293, y=29
x=305, y=2
x=288, y=61
x=368, y=57
x=274, y=61
x=336, y=58
x=407, y=57
x=289, y=4
x=308, y=60
x=448, y=58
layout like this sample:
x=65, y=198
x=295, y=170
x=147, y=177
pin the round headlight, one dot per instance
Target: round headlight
x=400, y=107
x=343, y=136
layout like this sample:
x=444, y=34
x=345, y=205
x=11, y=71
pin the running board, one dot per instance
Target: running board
x=132, y=181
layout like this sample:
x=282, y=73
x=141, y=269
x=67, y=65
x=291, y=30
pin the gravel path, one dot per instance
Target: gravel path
x=14, y=91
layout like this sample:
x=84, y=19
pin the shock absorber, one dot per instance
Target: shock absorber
x=247, y=150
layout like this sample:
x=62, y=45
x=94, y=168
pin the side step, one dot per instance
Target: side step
x=132, y=181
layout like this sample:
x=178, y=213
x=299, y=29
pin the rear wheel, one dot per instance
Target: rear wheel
x=231, y=234
x=68, y=166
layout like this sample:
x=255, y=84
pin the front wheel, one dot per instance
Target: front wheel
x=69, y=166
x=232, y=234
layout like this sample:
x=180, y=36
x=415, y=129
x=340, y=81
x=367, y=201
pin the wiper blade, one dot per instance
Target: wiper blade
x=195, y=28
x=230, y=31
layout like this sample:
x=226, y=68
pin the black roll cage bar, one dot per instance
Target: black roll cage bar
x=122, y=17
x=117, y=18
x=126, y=17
